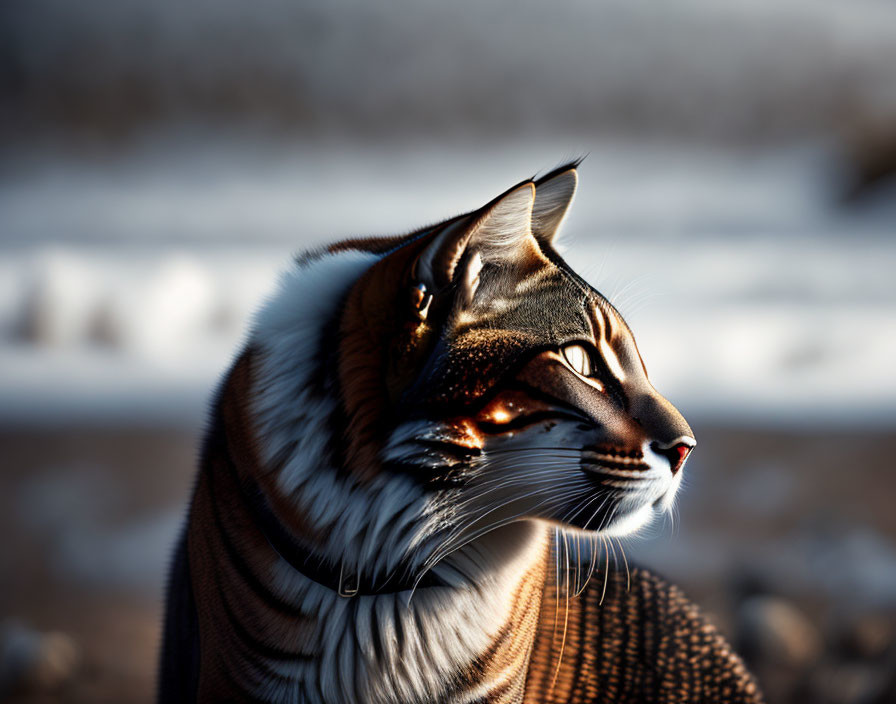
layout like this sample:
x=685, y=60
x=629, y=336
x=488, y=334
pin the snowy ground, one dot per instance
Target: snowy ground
x=127, y=282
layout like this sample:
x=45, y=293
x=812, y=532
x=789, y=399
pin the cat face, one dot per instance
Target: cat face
x=507, y=387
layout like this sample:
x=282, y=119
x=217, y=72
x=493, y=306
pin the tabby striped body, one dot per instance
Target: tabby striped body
x=408, y=475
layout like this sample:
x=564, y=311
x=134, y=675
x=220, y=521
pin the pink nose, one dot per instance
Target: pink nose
x=676, y=453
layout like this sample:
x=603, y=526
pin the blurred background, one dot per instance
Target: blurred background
x=161, y=162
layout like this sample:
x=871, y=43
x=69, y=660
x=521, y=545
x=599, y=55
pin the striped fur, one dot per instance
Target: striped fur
x=408, y=475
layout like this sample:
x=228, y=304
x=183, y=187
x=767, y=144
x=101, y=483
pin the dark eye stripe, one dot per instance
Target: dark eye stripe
x=524, y=420
x=539, y=394
x=612, y=371
x=612, y=385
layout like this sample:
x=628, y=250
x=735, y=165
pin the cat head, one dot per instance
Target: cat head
x=473, y=360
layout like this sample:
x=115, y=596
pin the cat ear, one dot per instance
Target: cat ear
x=492, y=234
x=553, y=196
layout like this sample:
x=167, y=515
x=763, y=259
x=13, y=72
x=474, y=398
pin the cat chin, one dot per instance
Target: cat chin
x=639, y=516
x=622, y=524
x=667, y=500
x=631, y=522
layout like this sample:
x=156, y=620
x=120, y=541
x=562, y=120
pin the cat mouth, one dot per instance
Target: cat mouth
x=622, y=480
x=639, y=492
x=619, y=463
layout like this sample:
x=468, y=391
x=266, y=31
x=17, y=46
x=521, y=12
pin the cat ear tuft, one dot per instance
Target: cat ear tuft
x=490, y=234
x=553, y=196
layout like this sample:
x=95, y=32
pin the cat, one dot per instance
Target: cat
x=420, y=436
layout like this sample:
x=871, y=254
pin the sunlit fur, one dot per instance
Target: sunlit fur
x=398, y=439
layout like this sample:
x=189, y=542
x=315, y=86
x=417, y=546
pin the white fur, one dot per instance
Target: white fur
x=368, y=527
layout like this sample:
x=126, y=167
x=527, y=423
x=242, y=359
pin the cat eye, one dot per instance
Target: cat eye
x=420, y=300
x=578, y=358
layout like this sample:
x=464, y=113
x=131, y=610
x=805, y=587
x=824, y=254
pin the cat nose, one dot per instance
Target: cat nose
x=676, y=451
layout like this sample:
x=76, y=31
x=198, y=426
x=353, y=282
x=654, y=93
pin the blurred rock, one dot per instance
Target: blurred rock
x=869, y=637
x=887, y=694
x=871, y=150
x=31, y=661
x=773, y=630
x=846, y=683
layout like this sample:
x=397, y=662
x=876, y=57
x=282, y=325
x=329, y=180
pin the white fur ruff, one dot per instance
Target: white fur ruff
x=442, y=629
